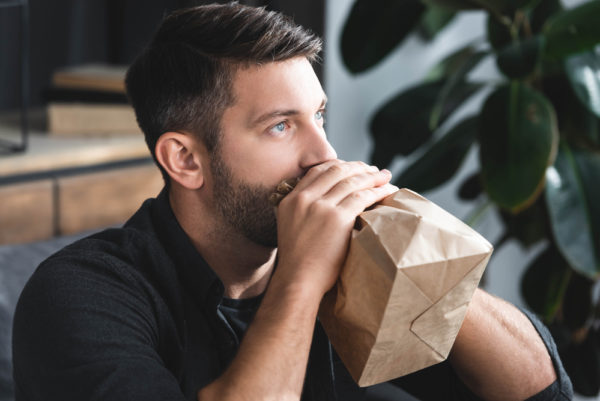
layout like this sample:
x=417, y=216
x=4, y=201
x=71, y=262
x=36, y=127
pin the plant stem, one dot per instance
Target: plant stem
x=514, y=27
x=527, y=26
x=495, y=13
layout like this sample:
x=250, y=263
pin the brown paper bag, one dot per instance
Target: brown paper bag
x=404, y=289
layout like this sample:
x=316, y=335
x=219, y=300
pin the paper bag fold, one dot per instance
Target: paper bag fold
x=404, y=289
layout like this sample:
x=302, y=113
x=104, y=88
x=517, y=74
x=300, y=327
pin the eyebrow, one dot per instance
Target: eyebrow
x=279, y=113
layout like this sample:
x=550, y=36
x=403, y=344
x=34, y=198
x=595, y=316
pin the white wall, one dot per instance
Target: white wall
x=354, y=99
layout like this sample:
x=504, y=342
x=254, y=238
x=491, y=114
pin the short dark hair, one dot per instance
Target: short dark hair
x=183, y=79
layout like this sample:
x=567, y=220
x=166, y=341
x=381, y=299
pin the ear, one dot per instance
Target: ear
x=180, y=155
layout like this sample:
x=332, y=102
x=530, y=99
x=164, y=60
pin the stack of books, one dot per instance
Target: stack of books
x=89, y=99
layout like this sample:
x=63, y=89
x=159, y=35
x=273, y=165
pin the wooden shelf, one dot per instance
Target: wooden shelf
x=65, y=185
x=51, y=152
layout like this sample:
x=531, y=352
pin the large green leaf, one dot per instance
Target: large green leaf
x=498, y=33
x=455, y=79
x=433, y=20
x=441, y=161
x=575, y=121
x=544, y=283
x=542, y=12
x=402, y=124
x=452, y=63
x=572, y=196
x=517, y=137
x=583, y=71
x=519, y=59
x=374, y=28
x=588, y=164
x=573, y=31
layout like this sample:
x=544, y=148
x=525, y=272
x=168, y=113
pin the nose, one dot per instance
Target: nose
x=316, y=149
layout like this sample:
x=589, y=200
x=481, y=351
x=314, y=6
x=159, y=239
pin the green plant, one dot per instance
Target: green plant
x=538, y=135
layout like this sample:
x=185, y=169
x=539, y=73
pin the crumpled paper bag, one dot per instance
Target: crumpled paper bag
x=403, y=291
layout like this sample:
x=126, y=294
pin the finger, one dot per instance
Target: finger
x=313, y=173
x=358, y=201
x=358, y=182
x=320, y=179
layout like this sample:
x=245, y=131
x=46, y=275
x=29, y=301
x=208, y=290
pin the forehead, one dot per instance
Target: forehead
x=289, y=84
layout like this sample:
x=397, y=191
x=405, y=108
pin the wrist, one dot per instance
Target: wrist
x=299, y=280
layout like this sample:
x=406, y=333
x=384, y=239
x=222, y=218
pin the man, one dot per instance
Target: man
x=208, y=293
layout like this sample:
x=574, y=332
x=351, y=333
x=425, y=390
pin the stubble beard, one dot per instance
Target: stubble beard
x=245, y=207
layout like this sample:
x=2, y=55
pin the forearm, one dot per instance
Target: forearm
x=498, y=353
x=272, y=359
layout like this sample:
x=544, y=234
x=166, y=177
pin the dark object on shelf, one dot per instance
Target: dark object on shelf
x=21, y=146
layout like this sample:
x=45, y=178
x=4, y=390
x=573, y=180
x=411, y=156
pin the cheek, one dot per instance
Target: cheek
x=264, y=163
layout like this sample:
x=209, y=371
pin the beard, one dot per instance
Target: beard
x=245, y=207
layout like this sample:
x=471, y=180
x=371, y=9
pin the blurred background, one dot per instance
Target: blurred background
x=396, y=72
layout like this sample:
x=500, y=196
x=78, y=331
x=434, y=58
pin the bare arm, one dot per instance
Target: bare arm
x=272, y=359
x=498, y=353
x=314, y=225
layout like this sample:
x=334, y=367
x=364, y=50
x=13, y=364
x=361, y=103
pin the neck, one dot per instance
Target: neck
x=243, y=266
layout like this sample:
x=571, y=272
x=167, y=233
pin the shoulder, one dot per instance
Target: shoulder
x=115, y=254
x=126, y=255
x=127, y=263
x=106, y=266
x=98, y=306
x=108, y=281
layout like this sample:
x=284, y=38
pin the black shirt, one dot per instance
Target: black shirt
x=135, y=313
x=239, y=313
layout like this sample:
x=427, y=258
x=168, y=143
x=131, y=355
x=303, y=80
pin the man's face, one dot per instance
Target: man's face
x=273, y=131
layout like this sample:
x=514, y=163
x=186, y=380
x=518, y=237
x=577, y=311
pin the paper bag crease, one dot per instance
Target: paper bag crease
x=404, y=289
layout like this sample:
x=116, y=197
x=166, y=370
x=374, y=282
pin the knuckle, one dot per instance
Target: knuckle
x=303, y=198
x=319, y=208
x=336, y=169
x=359, y=195
x=319, y=168
x=350, y=182
x=362, y=165
x=373, y=175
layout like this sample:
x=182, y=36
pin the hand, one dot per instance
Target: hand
x=315, y=220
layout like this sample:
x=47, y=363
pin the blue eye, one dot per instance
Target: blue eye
x=279, y=129
x=320, y=115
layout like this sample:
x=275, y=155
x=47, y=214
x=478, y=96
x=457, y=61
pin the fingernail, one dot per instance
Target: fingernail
x=386, y=171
